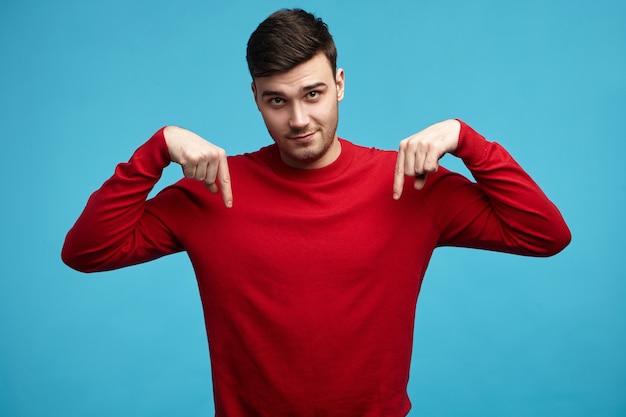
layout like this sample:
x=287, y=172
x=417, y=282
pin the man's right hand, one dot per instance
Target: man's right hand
x=200, y=160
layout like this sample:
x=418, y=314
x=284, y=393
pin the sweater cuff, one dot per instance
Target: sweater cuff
x=472, y=145
x=154, y=154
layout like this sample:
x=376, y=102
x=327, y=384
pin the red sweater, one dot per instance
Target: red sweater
x=309, y=283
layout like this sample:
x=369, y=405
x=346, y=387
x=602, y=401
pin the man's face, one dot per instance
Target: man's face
x=300, y=110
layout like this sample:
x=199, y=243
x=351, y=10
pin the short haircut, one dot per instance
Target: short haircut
x=286, y=39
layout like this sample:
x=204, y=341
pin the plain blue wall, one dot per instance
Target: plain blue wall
x=84, y=83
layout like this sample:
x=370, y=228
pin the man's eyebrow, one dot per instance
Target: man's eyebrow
x=271, y=93
x=305, y=89
x=314, y=86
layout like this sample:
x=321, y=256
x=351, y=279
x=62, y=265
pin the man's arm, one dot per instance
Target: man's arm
x=115, y=229
x=505, y=211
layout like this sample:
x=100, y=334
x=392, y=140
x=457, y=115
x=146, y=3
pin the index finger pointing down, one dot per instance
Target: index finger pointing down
x=223, y=178
x=398, y=177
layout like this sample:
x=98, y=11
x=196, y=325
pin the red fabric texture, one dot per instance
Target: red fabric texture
x=309, y=283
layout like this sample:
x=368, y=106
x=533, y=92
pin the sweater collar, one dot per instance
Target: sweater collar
x=333, y=170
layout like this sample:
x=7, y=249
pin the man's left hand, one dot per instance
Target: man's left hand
x=419, y=154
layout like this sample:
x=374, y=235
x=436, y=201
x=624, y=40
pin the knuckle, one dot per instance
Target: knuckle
x=423, y=145
x=206, y=155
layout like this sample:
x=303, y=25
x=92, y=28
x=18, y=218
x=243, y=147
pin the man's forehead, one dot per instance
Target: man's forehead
x=314, y=73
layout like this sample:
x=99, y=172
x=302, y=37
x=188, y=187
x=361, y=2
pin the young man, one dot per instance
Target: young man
x=310, y=253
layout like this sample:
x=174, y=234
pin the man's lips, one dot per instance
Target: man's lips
x=302, y=138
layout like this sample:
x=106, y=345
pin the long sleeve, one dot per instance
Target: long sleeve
x=506, y=211
x=115, y=229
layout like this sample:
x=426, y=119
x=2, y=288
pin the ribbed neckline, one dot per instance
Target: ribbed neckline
x=272, y=157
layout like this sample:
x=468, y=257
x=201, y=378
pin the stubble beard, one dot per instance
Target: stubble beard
x=312, y=152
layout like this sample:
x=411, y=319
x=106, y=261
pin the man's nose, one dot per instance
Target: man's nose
x=299, y=117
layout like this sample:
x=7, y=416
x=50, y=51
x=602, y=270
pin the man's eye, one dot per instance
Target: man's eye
x=313, y=94
x=276, y=101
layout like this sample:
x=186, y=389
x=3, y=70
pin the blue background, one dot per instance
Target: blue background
x=85, y=83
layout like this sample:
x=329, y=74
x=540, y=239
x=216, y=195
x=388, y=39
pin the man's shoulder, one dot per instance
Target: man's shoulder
x=367, y=154
x=359, y=147
x=264, y=152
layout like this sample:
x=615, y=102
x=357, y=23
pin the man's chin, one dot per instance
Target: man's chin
x=302, y=158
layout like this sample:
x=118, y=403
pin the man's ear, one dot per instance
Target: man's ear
x=340, y=80
x=253, y=86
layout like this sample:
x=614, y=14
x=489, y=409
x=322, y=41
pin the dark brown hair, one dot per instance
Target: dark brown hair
x=287, y=38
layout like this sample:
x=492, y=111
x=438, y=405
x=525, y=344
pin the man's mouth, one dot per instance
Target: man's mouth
x=302, y=138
